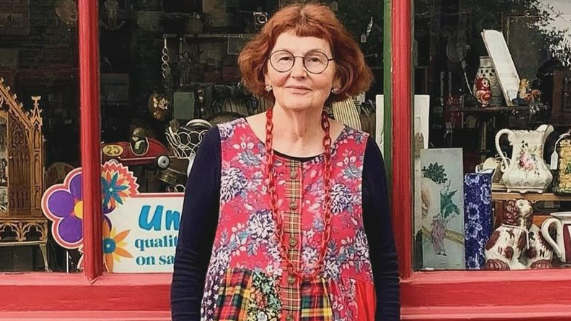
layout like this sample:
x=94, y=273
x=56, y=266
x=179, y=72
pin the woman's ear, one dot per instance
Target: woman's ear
x=266, y=79
x=337, y=82
x=336, y=87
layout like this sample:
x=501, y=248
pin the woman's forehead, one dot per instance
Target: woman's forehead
x=295, y=44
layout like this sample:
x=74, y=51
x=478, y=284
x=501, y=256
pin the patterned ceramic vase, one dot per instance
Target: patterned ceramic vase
x=487, y=71
x=477, y=217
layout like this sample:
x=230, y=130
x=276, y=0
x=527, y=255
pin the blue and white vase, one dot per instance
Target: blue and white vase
x=477, y=217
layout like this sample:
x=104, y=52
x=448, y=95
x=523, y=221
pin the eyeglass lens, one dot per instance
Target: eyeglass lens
x=315, y=62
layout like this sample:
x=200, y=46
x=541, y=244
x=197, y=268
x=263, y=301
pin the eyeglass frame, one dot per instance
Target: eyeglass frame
x=302, y=61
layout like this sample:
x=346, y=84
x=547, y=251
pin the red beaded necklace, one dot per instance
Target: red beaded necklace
x=279, y=231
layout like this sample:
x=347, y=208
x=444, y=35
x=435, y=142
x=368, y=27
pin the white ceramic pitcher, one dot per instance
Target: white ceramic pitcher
x=562, y=244
x=526, y=172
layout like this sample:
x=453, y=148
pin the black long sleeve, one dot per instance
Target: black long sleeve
x=200, y=217
x=197, y=230
x=378, y=227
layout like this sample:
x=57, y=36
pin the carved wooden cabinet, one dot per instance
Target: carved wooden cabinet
x=561, y=112
x=21, y=173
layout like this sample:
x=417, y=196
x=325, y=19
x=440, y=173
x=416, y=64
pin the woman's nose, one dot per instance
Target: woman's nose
x=298, y=69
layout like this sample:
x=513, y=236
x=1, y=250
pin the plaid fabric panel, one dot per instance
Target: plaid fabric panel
x=315, y=304
x=234, y=295
x=290, y=293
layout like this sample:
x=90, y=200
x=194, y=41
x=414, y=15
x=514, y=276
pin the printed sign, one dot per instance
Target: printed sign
x=143, y=233
x=140, y=230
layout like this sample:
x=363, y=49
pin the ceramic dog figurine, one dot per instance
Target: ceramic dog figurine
x=509, y=241
x=540, y=253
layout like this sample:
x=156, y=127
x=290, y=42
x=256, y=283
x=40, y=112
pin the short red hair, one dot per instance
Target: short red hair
x=307, y=20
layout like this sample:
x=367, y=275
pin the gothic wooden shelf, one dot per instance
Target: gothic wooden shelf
x=22, y=221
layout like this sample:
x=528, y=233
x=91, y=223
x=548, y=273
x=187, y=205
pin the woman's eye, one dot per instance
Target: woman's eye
x=315, y=59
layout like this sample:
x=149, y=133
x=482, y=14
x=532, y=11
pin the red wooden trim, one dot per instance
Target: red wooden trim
x=550, y=312
x=402, y=117
x=534, y=313
x=462, y=289
x=60, y=292
x=442, y=295
x=86, y=316
x=90, y=136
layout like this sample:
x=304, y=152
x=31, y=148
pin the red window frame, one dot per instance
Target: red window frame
x=443, y=295
x=92, y=295
x=454, y=295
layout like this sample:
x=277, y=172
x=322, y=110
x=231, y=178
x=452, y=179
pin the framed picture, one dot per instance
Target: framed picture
x=440, y=227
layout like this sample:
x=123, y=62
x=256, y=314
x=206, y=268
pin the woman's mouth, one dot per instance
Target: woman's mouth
x=298, y=89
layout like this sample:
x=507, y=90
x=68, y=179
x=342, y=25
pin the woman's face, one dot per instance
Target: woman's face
x=298, y=89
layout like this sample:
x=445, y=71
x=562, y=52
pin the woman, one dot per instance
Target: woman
x=286, y=213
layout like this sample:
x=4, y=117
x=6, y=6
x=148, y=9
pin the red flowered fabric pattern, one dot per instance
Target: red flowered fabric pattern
x=246, y=270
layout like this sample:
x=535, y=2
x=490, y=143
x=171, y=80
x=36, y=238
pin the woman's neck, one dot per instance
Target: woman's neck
x=297, y=126
x=290, y=137
x=297, y=133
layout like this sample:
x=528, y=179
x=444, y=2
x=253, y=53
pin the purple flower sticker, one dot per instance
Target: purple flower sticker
x=63, y=205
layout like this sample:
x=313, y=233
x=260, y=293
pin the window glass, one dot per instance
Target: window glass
x=491, y=143
x=169, y=72
x=39, y=137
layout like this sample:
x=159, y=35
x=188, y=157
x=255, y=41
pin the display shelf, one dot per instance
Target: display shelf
x=504, y=196
x=211, y=35
x=492, y=109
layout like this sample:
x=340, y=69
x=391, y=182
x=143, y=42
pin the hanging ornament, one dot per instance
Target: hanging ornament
x=159, y=105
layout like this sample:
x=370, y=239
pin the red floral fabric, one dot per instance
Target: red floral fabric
x=246, y=278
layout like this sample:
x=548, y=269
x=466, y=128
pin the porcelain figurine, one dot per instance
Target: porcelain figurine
x=487, y=71
x=526, y=172
x=483, y=91
x=539, y=253
x=525, y=95
x=505, y=247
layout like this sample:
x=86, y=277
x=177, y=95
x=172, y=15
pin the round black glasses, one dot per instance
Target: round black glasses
x=314, y=62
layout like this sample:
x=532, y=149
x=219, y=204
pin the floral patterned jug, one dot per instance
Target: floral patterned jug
x=526, y=172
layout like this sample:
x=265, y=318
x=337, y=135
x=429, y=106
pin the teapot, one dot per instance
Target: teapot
x=526, y=172
x=562, y=244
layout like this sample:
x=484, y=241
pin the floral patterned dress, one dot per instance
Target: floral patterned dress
x=246, y=278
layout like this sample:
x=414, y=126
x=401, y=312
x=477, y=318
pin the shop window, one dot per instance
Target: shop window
x=39, y=136
x=168, y=74
x=491, y=135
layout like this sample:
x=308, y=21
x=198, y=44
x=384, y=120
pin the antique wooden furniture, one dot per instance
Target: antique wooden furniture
x=561, y=112
x=21, y=174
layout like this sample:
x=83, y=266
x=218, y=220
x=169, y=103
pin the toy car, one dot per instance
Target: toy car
x=145, y=151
